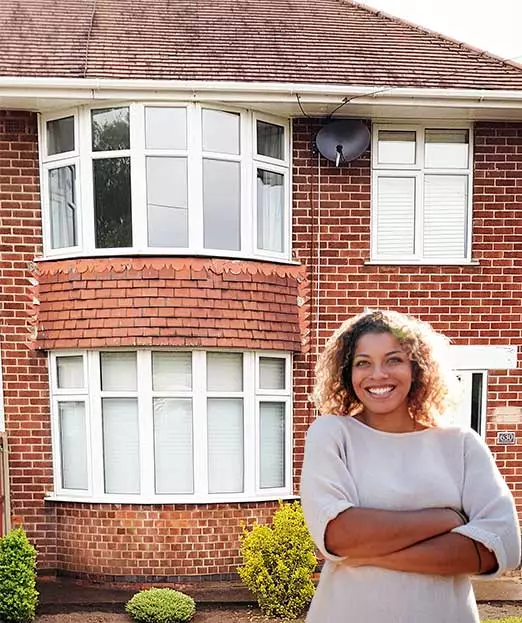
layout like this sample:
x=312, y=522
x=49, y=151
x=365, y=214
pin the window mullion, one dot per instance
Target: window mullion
x=199, y=414
x=251, y=424
x=247, y=190
x=195, y=177
x=145, y=423
x=86, y=201
x=138, y=177
x=93, y=364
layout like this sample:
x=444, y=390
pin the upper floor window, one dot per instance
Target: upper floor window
x=166, y=179
x=180, y=425
x=421, y=194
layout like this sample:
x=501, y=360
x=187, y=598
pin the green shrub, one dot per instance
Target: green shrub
x=278, y=563
x=18, y=595
x=160, y=605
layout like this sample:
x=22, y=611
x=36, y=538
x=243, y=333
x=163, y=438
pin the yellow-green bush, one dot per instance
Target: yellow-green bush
x=278, y=563
x=18, y=594
x=160, y=605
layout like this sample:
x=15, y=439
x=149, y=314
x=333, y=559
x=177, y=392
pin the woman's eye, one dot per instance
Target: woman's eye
x=361, y=363
x=395, y=360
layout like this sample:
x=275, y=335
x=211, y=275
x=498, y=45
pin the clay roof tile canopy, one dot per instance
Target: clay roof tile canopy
x=325, y=41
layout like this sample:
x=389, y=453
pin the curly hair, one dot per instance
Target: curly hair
x=434, y=386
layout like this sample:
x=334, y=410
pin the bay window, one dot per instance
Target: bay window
x=169, y=179
x=171, y=425
x=421, y=194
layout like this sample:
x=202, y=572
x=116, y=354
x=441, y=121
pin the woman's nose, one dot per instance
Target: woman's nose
x=379, y=371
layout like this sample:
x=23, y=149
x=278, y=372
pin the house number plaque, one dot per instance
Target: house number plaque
x=506, y=438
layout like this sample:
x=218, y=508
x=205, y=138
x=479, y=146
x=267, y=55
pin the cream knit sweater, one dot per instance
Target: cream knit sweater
x=349, y=464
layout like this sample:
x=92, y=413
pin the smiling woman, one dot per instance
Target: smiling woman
x=399, y=503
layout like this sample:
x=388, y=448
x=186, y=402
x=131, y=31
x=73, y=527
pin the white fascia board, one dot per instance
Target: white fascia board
x=475, y=357
x=96, y=89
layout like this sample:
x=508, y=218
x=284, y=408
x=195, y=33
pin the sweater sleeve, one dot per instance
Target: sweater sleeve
x=489, y=505
x=327, y=487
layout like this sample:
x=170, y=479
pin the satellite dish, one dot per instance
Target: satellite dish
x=343, y=141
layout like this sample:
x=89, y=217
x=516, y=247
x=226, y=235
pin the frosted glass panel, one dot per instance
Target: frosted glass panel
x=271, y=373
x=225, y=445
x=395, y=216
x=69, y=372
x=121, y=451
x=173, y=445
x=221, y=205
x=447, y=149
x=270, y=210
x=445, y=215
x=118, y=371
x=167, y=207
x=220, y=131
x=396, y=147
x=165, y=128
x=73, y=445
x=171, y=371
x=272, y=444
x=225, y=372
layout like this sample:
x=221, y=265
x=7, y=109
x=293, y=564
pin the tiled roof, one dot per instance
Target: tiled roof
x=316, y=41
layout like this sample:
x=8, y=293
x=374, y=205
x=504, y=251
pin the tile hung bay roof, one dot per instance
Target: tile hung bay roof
x=303, y=41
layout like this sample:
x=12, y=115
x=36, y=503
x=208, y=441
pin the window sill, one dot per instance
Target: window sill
x=126, y=499
x=421, y=263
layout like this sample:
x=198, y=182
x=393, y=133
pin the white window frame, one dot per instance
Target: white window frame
x=251, y=394
x=248, y=158
x=418, y=171
x=467, y=380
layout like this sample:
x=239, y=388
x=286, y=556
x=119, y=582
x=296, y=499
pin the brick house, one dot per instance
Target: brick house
x=174, y=251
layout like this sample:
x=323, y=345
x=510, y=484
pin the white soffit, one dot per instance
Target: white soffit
x=483, y=357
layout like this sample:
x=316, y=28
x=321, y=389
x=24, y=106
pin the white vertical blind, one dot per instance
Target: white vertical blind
x=225, y=372
x=69, y=372
x=118, y=371
x=272, y=372
x=395, y=216
x=73, y=444
x=272, y=444
x=225, y=445
x=121, y=452
x=173, y=445
x=171, y=371
x=445, y=212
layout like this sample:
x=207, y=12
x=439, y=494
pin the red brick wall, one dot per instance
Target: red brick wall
x=192, y=302
x=24, y=371
x=479, y=304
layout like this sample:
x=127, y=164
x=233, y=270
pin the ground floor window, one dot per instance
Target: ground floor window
x=181, y=425
x=472, y=408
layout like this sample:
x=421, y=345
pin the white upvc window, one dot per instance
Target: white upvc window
x=421, y=193
x=166, y=179
x=180, y=426
x=471, y=412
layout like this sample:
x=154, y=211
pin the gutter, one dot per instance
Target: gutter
x=105, y=89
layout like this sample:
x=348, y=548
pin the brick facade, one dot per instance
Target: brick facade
x=478, y=304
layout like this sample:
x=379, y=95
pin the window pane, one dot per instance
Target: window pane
x=167, y=208
x=69, y=372
x=220, y=131
x=271, y=373
x=221, y=205
x=270, y=140
x=225, y=445
x=62, y=203
x=172, y=371
x=118, y=372
x=224, y=372
x=270, y=210
x=112, y=202
x=73, y=445
x=447, y=149
x=121, y=451
x=396, y=147
x=395, y=216
x=60, y=136
x=110, y=129
x=445, y=215
x=272, y=444
x=173, y=445
x=165, y=128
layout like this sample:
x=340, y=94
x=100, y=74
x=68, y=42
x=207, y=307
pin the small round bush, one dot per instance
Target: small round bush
x=160, y=605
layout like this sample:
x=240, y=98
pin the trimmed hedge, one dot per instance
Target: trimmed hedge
x=160, y=605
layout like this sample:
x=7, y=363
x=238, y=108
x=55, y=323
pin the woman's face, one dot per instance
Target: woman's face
x=381, y=375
